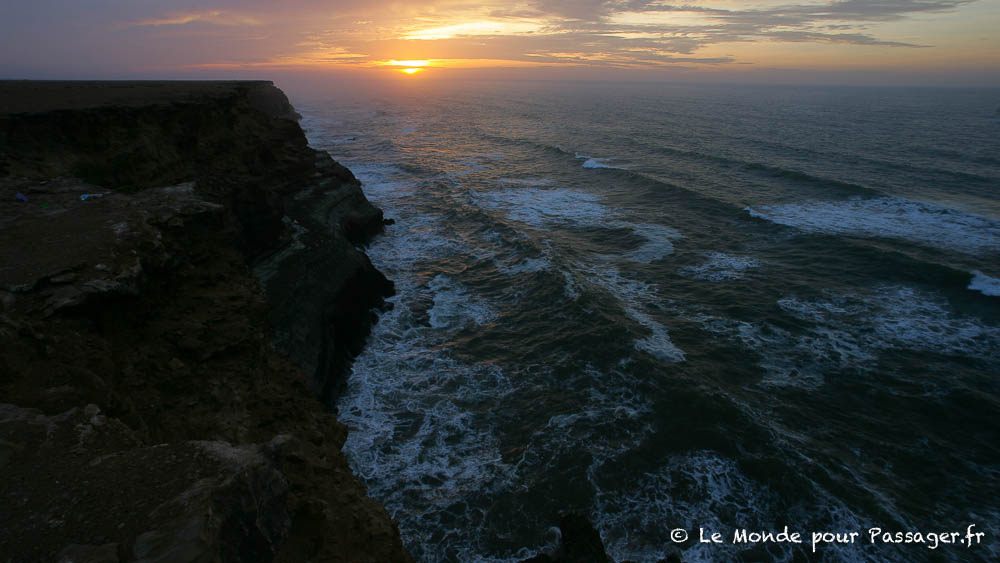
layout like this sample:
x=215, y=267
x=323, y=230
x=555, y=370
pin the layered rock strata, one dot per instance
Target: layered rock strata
x=165, y=342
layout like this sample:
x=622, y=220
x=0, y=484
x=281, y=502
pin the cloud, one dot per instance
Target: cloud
x=619, y=33
x=320, y=33
x=487, y=27
x=216, y=17
x=688, y=28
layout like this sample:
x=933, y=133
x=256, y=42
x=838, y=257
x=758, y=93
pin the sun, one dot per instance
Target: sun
x=412, y=66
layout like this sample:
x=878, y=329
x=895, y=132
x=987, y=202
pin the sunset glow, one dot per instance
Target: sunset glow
x=410, y=64
x=797, y=40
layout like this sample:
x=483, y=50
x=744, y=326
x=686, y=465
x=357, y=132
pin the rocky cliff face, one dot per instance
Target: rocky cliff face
x=163, y=346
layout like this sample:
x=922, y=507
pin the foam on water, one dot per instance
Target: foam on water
x=421, y=436
x=538, y=207
x=720, y=267
x=526, y=265
x=985, y=284
x=703, y=489
x=602, y=163
x=850, y=331
x=606, y=421
x=901, y=317
x=689, y=491
x=455, y=308
x=659, y=241
x=788, y=359
x=596, y=163
x=414, y=440
x=636, y=298
x=916, y=320
x=890, y=217
x=443, y=441
x=570, y=287
x=546, y=207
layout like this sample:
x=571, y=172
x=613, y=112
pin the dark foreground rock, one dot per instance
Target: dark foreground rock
x=157, y=401
x=578, y=542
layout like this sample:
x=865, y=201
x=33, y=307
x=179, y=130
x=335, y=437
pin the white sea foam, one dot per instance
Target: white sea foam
x=658, y=243
x=420, y=437
x=455, y=308
x=790, y=360
x=901, y=317
x=913, y=320
x=850, y=331
x=635, y=296
x=985, y=284
x=570, y=288
x=607, y=420
x=890, y=217
x=720, y=266
x=690, y=491
x=605, y=163
x=596, y=162
x=702, y=489
x=538, y=207
x=418, y=449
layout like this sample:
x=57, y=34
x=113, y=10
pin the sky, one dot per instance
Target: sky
x=932, y=42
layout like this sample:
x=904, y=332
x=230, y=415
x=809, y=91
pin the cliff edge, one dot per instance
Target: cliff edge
x=180, y=287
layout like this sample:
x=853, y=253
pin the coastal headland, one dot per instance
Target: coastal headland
x=181, y=293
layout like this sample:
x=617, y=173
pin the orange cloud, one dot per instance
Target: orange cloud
x=216, y=17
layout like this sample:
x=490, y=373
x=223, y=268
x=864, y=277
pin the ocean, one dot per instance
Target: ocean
x=670, y=307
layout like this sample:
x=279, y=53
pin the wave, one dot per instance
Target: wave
x=419, y=437
x=798, y=175
x=720, y=267
x=848, y=332
x=908, y=167
x=690, y=488
x=598, y=163
x=889, y=217
x=659, y=241
x=455, y=308
x=539, y=207
x=635, y=298
x=984, y=284
x=601, y=163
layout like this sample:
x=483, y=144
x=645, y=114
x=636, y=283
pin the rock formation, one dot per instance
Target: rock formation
x=164, y=342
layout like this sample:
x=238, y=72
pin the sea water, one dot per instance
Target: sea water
x=705, y=308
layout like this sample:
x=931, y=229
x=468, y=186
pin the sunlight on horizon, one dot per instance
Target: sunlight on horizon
x=931, y=41
x=410, y=64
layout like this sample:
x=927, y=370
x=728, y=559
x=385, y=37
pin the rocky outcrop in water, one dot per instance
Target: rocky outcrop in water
x=158, y=400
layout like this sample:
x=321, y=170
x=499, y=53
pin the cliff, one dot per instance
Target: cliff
x=166, y=342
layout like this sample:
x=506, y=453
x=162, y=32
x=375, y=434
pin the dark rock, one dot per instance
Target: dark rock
x=155, y=402
x=75, y=553
x=579, y=542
